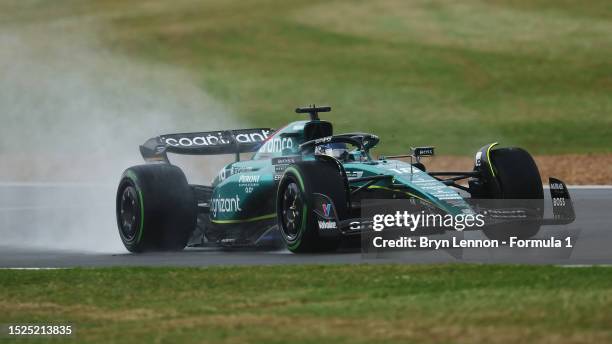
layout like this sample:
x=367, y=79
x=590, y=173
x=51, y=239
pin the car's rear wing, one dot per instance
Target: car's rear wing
x=205, y=143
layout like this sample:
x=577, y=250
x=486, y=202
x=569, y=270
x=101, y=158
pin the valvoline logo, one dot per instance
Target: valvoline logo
x=326, y=209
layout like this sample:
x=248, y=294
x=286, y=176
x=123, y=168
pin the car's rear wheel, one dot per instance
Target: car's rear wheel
x=300, y=216
x=155, y=208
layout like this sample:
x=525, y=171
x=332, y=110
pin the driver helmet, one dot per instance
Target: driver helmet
x=336, y=150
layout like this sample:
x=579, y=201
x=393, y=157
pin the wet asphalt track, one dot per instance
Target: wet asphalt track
x=70, y=225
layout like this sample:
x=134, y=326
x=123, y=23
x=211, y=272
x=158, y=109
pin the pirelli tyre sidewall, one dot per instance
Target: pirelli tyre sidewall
x=310, y=179
x=155, y=208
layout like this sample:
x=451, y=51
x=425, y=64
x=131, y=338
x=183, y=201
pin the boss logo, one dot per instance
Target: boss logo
x=286, y=160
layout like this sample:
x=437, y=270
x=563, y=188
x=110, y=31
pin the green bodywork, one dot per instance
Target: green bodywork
x=245, y=191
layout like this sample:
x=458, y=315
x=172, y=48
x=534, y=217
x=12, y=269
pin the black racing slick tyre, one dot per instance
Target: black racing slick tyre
x=517, y=174
x=520, y=185
x=155, y=207
x=302, y=187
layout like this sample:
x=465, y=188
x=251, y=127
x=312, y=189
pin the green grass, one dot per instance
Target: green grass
x=316, y=304
x=531, y=73
x=534, y=73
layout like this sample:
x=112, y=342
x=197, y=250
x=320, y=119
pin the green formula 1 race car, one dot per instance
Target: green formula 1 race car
x=305, y=186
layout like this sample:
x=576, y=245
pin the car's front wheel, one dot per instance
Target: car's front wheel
x=310, y=201
x=520, y=186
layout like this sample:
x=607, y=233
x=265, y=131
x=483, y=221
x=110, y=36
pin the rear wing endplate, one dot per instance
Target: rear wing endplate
x=205, y=143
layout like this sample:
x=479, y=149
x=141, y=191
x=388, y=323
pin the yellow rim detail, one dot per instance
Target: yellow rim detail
x=489, y=157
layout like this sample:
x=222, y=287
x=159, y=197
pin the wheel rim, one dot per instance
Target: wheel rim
x=129, y=213
x=292, y=205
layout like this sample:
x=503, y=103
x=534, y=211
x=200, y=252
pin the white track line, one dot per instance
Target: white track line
x=588, y=187
x=584, y=265
x=46, y=207
x=54, y=184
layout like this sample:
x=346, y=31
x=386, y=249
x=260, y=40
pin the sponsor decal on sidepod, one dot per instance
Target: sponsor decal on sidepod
x=225, y=205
